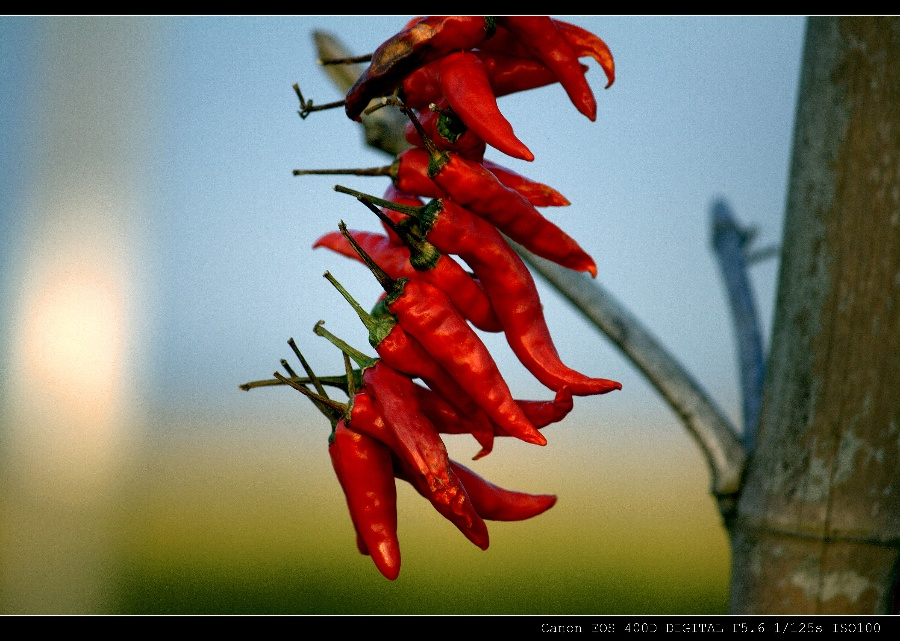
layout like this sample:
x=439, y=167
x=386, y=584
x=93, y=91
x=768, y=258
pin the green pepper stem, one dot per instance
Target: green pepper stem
x=306, y=368
x=384, y=279
x=409, y=210
x=339, y=382
x=422, y=254
x=387, y=170
x=358, y=357
x=333, y=410
x=378, y=328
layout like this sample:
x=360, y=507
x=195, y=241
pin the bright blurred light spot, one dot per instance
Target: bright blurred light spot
x=66, y=380
x=73, y=342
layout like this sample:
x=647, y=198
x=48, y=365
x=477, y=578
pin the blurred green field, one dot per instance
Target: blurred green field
x=254, y=523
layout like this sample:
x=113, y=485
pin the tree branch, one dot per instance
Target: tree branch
x=704, y=421
x=730, y=241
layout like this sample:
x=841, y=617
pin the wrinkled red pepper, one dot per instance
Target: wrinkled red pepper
x=447, y=131
x=546, y=42
x=429, y=38
x=506, y=279
x=423, y=261
x=427, y=314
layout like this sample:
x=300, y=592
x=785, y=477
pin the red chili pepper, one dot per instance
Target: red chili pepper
x=476, y=531
x=447, y=131
x=538, y=194
x=364, y=468
x=448, y=420
x=583, y=43
x=427, y=39
x=542, y=37
x=492, y=502
x=465, y=84
x=404, y=353
x=474, y=187
x=496, y=503
x=427, y=314
x=425, y=262
x=386, y=411
x=586, y=43
x=506, y=74
x=369, y=411
x=506, y=279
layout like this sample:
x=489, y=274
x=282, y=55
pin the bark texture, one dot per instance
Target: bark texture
x=817, y=529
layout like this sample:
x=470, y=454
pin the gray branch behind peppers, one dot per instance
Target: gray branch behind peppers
x=717, y=438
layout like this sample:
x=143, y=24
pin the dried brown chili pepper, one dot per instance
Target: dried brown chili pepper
x=506, y=279
x=420, y=42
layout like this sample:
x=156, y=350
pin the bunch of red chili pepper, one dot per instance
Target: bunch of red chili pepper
x=433, y=374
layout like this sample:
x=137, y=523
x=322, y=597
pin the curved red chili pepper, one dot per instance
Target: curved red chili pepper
x=586, y=43
x=431, y=265
x=476, y=530
x=367, y=478
x=474, y=187
x=538, y=194
x=465, y=84
x=427, y=314
x=542, y=37
x=404, y=353
x=368, y=414
x=447, y=419
x=506, y=279
x=506, y=74
x=413, y=437
x=496, y=503
x=447, y=131
x=426, y=39
x=492, y=502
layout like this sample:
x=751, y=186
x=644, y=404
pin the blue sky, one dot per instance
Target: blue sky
x=701, y=107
